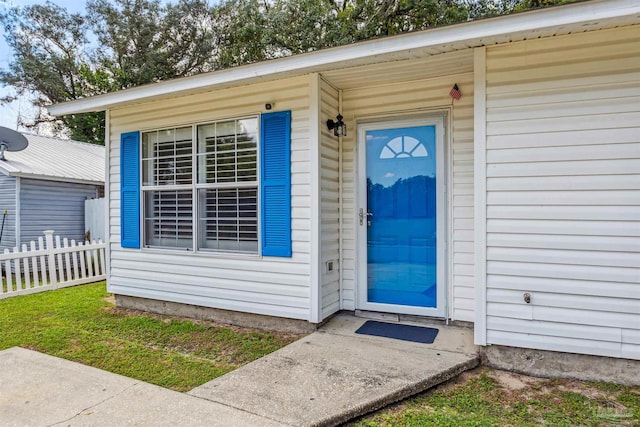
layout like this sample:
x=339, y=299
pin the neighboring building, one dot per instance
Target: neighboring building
x=515, y=207
x=44, y=187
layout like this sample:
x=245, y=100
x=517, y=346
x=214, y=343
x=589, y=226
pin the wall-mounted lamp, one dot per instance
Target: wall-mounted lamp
x=339, y=128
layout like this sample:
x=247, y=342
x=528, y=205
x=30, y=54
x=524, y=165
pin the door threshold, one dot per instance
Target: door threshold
x=376, y=315
x=409, y=318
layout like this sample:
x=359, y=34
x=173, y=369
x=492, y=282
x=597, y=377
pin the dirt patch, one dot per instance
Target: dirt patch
x=512, y=381
x=75, y=345
x=111, y=300
x=460, y=379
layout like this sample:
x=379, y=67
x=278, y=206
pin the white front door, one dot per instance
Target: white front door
x=401, y=217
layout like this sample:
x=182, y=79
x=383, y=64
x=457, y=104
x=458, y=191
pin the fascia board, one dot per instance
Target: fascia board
x=371, y=51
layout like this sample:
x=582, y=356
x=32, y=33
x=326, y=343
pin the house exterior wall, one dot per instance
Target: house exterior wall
x=406, y=99
x=52, y=205
x=329, y=202
x=254, y=284
x=8, y=202
x=563, y=193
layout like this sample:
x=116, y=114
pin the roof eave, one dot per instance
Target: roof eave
x=55, y=178
x=4, y=170
x=364, y=52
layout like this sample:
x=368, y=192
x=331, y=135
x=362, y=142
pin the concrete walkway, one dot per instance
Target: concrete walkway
x=325, y=378
x=41, y=390
x=334, y=375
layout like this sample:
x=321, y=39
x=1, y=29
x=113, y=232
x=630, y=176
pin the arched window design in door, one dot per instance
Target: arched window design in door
x=403, y=146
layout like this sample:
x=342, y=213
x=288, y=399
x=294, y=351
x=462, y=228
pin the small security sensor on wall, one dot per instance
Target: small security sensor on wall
x=268, y=106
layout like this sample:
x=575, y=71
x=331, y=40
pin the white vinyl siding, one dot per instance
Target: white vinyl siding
x=329, y=203
x=410, y=98
x=248, y=283
x=563, y=193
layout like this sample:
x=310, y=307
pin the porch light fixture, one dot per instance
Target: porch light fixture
x=338, y=127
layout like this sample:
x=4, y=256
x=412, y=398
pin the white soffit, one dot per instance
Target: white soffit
x=446, y=64
x=557, y=20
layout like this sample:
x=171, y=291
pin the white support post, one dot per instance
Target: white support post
x=480, y=193
x=315, y=312
x=340, y=208
x=51, y=258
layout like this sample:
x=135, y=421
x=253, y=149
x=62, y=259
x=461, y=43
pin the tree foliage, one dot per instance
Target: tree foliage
x=60, y=56
x=49, y=59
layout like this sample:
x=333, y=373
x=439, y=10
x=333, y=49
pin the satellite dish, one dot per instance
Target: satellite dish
x=11, y=140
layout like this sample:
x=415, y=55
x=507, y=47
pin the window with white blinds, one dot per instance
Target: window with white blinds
x=167, y=186
x=228, y=185
x=167, y=158
x=168, y=218
x=224, y=194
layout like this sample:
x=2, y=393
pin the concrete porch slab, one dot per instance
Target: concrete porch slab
x=334, y=375
x=41, y=390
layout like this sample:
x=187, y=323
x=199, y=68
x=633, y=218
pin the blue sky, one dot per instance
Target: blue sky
x=9, y=113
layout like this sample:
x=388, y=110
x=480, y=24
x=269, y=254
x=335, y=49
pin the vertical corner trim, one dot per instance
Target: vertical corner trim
x=340, y=210
x=480, y=192
x=107, y=194
x=315, y=300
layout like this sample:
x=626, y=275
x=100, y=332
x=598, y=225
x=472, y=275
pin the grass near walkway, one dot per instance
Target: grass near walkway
x=486, y=397
x=82, y=325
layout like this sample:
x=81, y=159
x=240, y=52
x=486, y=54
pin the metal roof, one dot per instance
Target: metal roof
x=57, y=160
x=552, y=21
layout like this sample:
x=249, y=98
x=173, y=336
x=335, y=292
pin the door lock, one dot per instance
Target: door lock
x=362, y=214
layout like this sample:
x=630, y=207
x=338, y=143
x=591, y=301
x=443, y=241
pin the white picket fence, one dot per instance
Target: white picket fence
x=44, y=265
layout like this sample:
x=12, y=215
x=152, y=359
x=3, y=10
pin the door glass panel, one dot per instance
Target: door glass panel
x=401, y=232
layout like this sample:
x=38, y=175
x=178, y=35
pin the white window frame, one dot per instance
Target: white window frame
x=226, y=185
x=156, y=187
x=195, y=186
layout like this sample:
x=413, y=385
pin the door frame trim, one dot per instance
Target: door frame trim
x=439, y=119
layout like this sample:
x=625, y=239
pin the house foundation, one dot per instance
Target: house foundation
x=236, y=318
x=553, y=364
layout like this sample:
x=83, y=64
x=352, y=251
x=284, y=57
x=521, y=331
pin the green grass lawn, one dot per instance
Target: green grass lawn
x=486, y=397
x=82, y=325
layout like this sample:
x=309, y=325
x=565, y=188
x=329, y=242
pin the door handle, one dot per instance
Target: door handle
x=362, y=214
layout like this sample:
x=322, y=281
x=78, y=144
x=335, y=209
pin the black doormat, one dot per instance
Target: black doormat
x=400, y=332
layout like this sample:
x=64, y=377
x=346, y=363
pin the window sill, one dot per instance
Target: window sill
x=200, y=254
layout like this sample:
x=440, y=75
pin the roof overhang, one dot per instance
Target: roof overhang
x=584, y=16
x=16, y=174
x=54, y=178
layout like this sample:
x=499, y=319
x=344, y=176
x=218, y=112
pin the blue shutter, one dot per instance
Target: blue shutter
x=130, y=190
x=275, y=183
